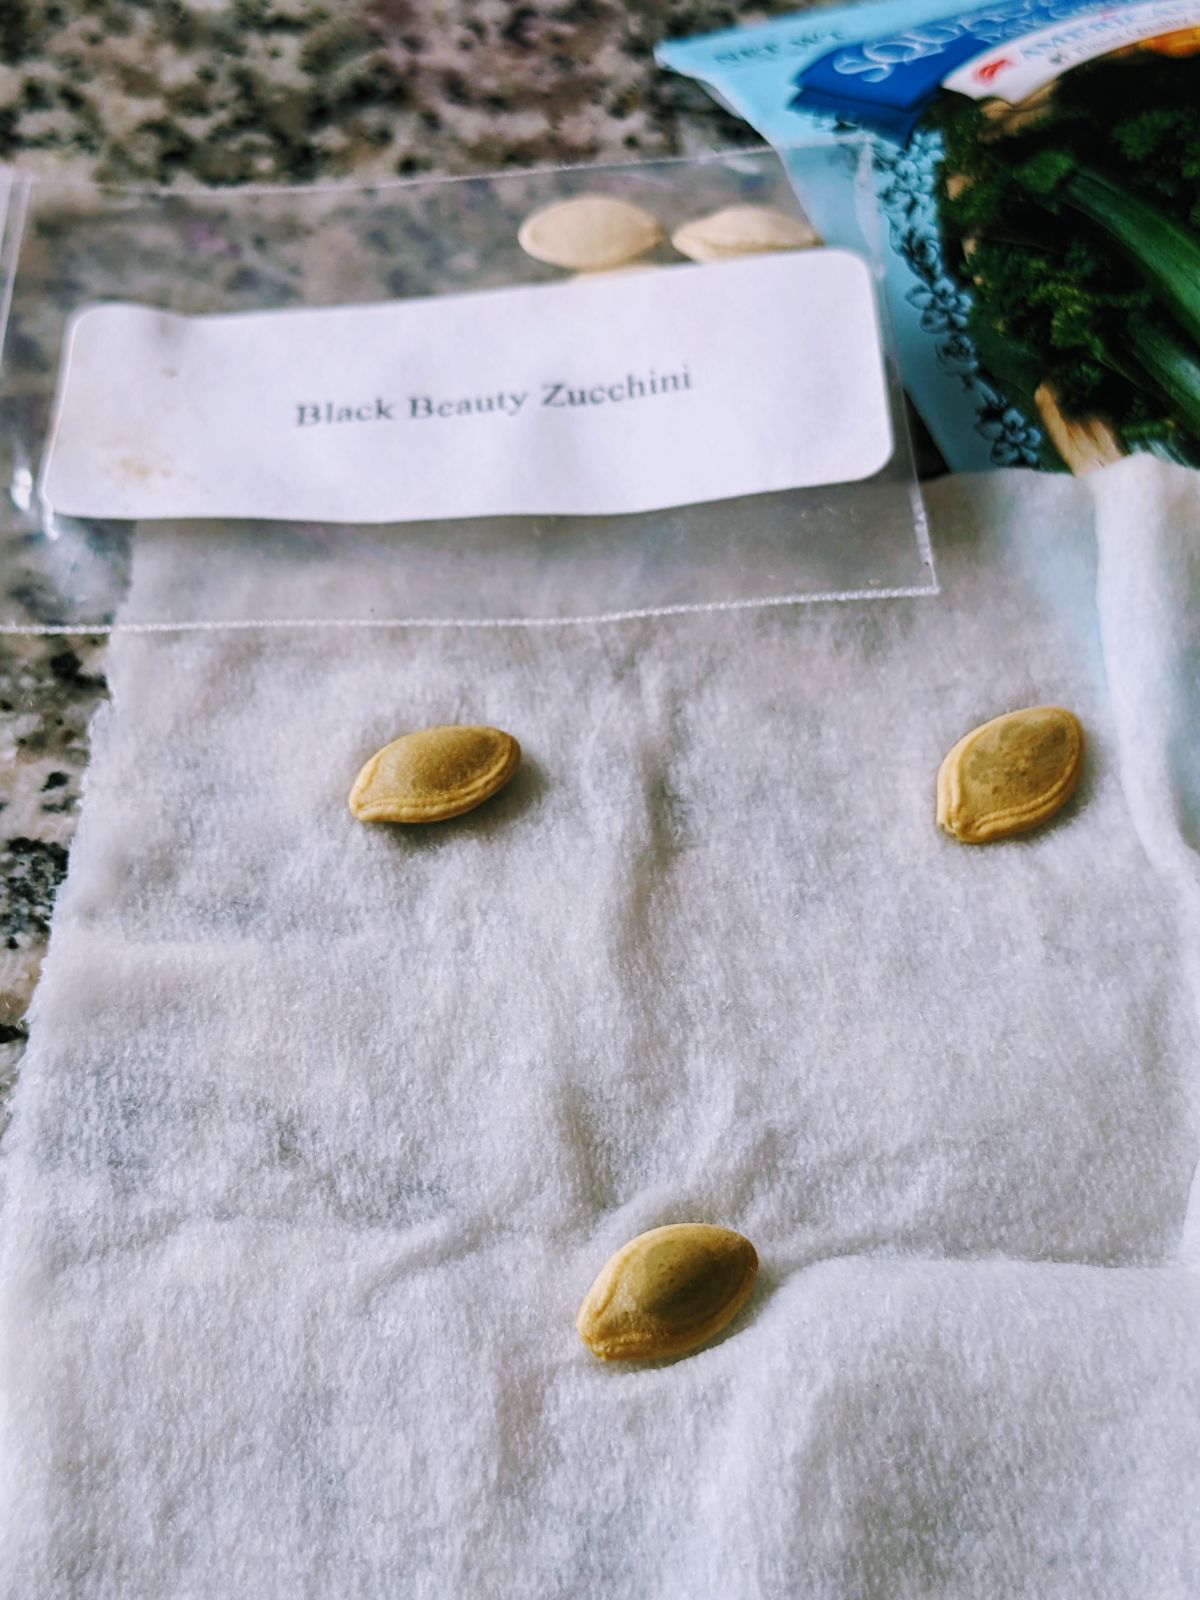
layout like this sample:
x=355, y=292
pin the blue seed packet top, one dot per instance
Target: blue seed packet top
x=956, y=99
x=886, y=82
x=885, y=92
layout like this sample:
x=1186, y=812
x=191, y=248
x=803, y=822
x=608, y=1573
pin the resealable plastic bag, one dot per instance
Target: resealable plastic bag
x=333, y=375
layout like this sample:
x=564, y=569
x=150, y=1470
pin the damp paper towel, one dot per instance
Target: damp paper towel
x=324, y=1130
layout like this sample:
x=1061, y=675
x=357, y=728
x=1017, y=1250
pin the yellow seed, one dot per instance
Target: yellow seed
x=1010, y=775
x=667, y=1292
x=434, y=774
x=592, y=233
x=743, y=231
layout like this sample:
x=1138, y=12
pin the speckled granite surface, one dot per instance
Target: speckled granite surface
x=48, y=691
x=185, y=94
x=168, y=91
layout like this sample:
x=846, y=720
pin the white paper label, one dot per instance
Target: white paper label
x=1014, y=70
x=628, y=392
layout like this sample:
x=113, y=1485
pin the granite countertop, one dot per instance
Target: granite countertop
x=200, y=92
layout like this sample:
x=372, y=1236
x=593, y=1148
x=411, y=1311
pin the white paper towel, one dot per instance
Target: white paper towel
x=324, y=1130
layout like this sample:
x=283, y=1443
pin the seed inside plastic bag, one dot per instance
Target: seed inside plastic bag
x=591, y=233
x=743, y=231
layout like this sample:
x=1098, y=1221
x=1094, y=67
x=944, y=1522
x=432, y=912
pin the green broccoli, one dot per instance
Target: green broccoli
x=1078, y=229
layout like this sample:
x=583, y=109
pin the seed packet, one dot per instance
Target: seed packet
x=1038, y=177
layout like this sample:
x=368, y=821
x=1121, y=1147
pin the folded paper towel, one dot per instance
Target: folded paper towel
x=324, y=1130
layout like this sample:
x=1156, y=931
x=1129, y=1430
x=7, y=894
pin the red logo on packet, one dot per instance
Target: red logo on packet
x=991, y=69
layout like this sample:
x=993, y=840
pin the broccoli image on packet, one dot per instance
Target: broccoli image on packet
x=1074, y=217
x=1038, y=169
